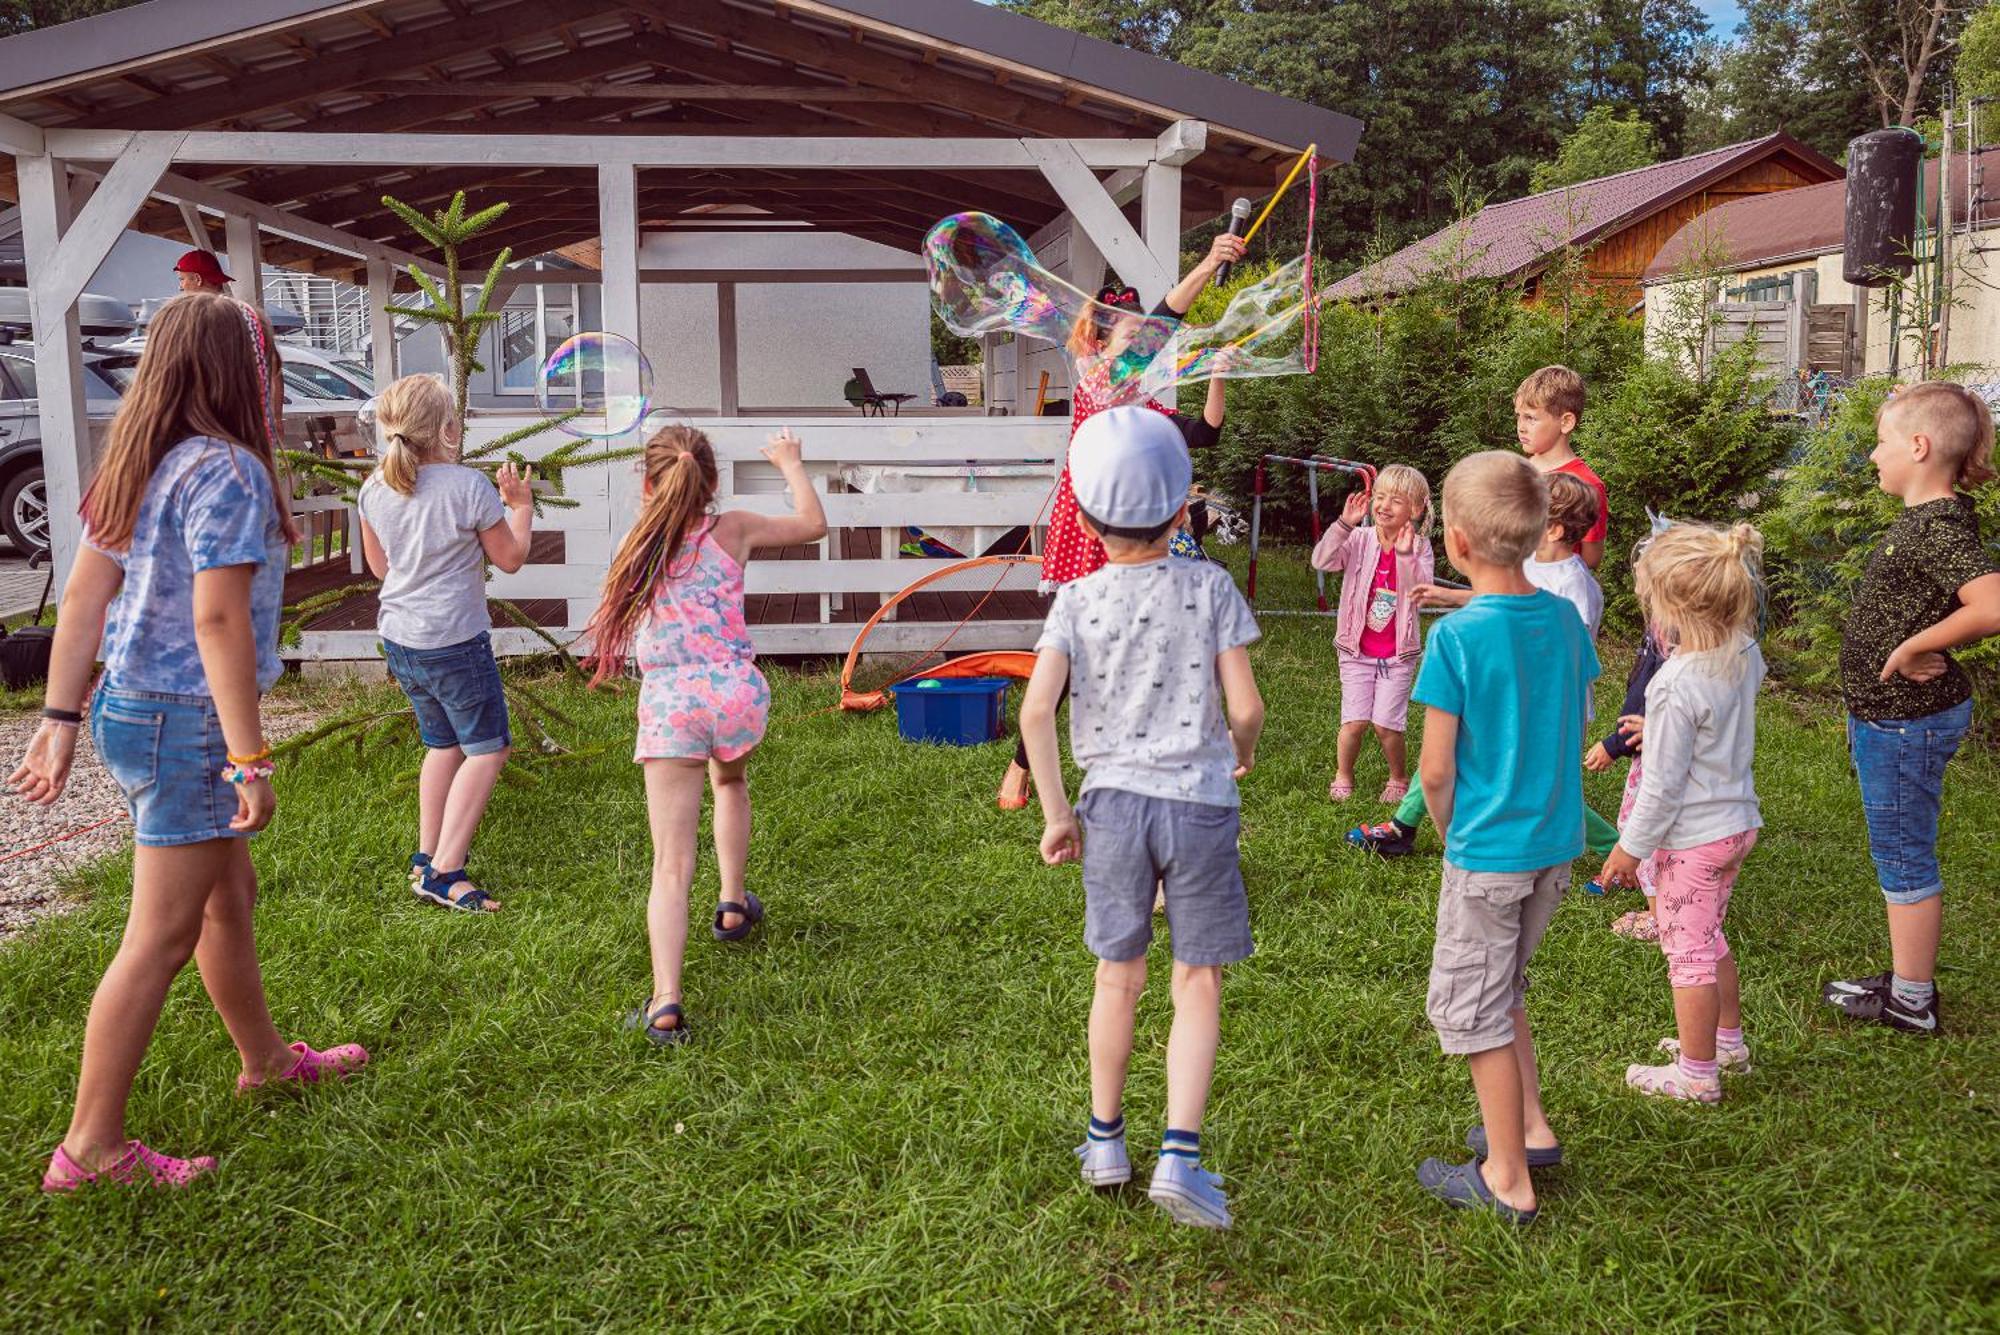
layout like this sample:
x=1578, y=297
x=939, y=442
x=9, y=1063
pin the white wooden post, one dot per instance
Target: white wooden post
x=1160, y=215
x=197, y=229
x=246, y=260
x=45, y=216
x=618, y=229
x=381, y=324
x=1098, y=214
x=729, y=365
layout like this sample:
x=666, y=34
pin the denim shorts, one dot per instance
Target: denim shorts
x=166, y=752
x=1900, y=763
x=456, y=693
x=1134, y=844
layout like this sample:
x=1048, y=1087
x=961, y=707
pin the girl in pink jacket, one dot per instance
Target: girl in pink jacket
x=1376, y=635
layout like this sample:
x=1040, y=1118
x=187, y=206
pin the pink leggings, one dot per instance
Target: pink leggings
x=1692, y=887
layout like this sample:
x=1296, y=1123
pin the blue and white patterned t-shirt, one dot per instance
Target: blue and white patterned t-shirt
x=207, y=506
x=1145, y=708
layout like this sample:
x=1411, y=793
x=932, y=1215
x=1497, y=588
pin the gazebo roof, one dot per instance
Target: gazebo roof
x=932, y=69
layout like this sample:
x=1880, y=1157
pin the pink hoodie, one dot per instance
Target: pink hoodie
x=1355, y=551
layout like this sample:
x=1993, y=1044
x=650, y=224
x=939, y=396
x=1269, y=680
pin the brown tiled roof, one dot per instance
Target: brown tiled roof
x=1795, y=224
x=1514, y=238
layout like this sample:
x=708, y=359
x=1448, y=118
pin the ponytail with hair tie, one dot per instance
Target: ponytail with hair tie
x=681, y=480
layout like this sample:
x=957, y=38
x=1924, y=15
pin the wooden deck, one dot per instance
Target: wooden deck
x=358, y=613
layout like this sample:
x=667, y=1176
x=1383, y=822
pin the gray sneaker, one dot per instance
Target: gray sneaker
x=1189, y=1192
x=1105, y=1162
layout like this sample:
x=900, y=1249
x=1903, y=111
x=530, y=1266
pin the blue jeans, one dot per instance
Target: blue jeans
x=456, y=694
x=166, y=752
x=1900, y=763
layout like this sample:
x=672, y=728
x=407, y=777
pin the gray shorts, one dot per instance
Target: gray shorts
x=1133, y=844
x=1488, y=924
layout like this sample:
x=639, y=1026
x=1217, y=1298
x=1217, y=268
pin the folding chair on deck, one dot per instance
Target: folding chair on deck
x=872, y=398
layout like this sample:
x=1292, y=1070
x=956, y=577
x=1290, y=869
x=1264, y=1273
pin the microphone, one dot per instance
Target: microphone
x=1239, y=218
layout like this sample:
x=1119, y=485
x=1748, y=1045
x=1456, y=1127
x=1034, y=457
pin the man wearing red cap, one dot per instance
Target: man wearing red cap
x=201, y=272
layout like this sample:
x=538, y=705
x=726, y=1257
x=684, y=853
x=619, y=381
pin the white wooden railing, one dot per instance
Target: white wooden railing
x=609, y=499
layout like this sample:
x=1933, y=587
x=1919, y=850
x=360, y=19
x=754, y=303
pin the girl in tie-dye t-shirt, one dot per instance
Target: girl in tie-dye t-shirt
x=673, y=604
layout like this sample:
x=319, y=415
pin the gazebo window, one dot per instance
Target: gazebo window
x=534, y=323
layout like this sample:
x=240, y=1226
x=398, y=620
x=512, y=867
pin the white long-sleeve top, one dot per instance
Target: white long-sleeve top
x=1701, y=734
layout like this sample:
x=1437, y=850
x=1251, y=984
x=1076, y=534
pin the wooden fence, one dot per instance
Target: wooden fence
x=854, y=567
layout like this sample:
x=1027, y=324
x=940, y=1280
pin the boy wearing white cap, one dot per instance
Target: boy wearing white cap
x=1164, y=719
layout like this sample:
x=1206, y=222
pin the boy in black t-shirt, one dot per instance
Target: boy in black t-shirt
x=1930, y=588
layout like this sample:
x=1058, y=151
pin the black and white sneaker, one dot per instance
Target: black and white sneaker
x=1879, y=1005
x=1842, y=991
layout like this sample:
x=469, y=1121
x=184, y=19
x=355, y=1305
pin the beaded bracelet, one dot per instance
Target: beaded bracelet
x=242, y=772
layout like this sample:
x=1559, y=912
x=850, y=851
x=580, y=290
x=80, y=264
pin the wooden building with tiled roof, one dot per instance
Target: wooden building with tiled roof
x=1620, y=222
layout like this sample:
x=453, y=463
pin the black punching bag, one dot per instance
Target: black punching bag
x=1882, y=169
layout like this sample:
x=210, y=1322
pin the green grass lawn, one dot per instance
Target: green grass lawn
x=873, y=1129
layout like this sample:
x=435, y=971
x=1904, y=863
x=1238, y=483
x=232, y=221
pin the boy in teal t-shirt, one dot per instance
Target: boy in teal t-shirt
x=1504, y=683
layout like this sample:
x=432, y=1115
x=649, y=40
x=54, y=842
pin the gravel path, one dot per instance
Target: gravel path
x=33, y=885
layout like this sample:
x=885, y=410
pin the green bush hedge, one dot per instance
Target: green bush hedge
x=1430, y=378
x=1664, y=441
x=1827, y=520
x=1424, y=381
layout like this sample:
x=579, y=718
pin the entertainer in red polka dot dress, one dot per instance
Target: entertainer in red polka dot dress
x=1069, y=553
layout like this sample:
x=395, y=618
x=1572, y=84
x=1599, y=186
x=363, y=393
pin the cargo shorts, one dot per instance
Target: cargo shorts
x=1488, y=925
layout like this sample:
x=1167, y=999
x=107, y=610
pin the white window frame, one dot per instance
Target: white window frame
x=498, y=362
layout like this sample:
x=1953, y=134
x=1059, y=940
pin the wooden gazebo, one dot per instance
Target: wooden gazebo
x=283, y=122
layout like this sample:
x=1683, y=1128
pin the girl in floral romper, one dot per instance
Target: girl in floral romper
x=673, y=602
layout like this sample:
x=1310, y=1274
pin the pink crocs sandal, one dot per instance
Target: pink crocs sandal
x=138, y=1166
x=312, y=1067
x=1638, y=925
x=1393, y=792
x=1671, y=1082
x=1338, y=791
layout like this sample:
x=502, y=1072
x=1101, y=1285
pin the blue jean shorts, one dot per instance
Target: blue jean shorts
x=1134, y=844
x=456, y=693
x=1900, y=763
x=166, y=752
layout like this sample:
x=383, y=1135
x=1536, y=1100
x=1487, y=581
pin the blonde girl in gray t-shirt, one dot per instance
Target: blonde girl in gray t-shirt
x=429, y=525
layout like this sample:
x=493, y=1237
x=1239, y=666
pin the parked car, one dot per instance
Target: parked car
x=337, y=377
x=24, y=503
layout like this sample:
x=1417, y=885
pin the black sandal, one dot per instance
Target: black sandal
x=642, y=1018
x=749, y=914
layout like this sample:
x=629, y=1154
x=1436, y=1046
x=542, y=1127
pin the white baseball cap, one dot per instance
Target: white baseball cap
x=1129, y=467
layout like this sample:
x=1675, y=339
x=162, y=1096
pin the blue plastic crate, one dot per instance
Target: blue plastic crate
x=964, y=711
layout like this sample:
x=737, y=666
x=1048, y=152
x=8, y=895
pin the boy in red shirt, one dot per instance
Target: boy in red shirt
x=1547, y=408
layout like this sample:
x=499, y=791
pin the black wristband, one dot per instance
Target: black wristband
x=55, y=715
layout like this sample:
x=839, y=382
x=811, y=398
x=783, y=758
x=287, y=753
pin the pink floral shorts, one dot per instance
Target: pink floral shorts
x=1693, y=886
x=702, y=711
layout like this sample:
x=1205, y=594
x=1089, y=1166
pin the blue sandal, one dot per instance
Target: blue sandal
x=1550, y=1157
x=749, y=915
x=1461, y=1185
x=643, y=1018
x=437, y=889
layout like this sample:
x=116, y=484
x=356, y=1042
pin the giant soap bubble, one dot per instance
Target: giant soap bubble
x=985, y=280
x=604, y=375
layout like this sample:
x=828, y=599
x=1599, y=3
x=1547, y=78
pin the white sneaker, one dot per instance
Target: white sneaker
x=1105, y=1162
x=1189, y=1192
x=1730, y=1060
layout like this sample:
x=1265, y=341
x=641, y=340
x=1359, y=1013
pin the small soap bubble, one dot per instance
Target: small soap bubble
x=603, y=374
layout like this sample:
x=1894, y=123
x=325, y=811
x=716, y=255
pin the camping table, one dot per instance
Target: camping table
x=874, y=479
